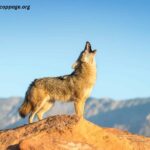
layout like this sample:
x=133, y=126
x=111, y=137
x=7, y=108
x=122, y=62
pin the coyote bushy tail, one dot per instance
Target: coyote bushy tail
x=25, y=109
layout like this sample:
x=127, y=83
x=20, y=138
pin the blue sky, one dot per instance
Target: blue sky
x=46, y=41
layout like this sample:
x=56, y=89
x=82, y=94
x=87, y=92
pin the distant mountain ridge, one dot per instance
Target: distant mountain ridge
x=132, y=115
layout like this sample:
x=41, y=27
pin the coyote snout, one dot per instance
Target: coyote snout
x=75, y=87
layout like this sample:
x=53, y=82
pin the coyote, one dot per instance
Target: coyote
x=75, y=87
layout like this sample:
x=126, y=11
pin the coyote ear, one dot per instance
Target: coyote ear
x=74, y=65
x=94, y=51
x=88, y=47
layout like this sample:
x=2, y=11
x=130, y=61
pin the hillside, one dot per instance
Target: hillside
x=69, y=133
x=132, y=115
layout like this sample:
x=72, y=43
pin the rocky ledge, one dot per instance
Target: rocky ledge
x=69, y=133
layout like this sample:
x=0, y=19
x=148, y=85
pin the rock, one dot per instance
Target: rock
x=69, y=133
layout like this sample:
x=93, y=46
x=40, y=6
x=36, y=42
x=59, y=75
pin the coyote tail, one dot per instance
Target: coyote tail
x=25, y=108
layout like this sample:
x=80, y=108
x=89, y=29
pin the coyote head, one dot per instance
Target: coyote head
x=86, y=56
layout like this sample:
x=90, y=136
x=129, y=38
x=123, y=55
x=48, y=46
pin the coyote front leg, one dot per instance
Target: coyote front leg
x=79, y=108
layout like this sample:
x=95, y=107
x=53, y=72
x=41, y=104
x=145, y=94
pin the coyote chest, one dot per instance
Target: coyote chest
x=87, y=91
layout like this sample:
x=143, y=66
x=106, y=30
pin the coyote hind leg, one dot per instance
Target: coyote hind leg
x=31, y=117
x=44, y=109
x=37, y=108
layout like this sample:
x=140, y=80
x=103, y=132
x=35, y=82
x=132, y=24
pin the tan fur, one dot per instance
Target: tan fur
x=75, y=87
x=25, y=109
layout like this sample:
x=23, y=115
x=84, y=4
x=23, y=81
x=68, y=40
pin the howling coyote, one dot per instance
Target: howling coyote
x=75, y=87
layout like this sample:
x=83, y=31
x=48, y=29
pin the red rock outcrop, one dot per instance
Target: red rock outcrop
x=70, y=133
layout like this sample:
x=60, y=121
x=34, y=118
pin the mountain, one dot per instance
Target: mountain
x=132, y=115
x=8, y=111
x=67, y=132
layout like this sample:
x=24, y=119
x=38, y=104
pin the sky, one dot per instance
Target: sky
x=47, y=39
